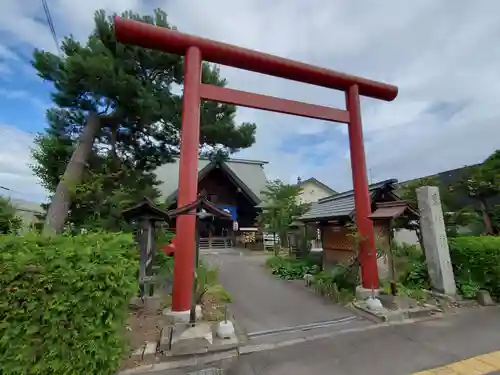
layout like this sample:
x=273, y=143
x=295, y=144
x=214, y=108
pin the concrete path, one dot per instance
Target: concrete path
x=263, y=304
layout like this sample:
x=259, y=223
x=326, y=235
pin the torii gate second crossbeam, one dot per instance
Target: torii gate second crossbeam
x=195, y=50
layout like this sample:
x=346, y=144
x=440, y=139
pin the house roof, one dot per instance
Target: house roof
x=319, y=183
x=145, y=209
x=392, y=210
x=450, y=178
x=247, y=174
x=342, y=204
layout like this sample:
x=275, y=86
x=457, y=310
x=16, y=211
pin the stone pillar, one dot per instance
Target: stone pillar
x=437, y=253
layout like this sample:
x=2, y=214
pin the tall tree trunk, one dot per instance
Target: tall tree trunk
x=61, y=201
x=488, y=225
x=114, y=154
x=418, y=232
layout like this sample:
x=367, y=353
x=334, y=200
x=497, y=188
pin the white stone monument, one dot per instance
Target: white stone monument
x=437, y=252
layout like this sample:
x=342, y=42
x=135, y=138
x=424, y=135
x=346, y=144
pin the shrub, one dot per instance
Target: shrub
x=214, y=302
x=163, y=237
x=209, y=293
x=406, y=251
x=290, y=268
x=411, y=267
x=476, y=264
x=9, y=221
x=64, y=302
x=412, y=291
x=337, y=283
x=219, y=293
x=415, y=273
x=165, y=264
x=206, y=276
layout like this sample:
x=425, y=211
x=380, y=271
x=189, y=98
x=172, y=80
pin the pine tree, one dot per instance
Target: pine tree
x=116, y=104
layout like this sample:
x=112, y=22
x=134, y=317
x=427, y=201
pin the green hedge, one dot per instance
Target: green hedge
x=64, y=302
x=476, y=264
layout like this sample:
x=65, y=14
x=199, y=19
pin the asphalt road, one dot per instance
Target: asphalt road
x=467, y=343
x=389, y=350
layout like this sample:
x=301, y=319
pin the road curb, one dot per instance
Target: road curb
x=181, y=363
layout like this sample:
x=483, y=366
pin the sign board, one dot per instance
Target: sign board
x=270, y=240
x=231, y=209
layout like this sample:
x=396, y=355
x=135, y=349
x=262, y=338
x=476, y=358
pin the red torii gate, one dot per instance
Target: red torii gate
x=195, y=50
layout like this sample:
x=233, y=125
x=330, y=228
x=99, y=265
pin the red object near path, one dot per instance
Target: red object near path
x=170, y=248
x=196, y=49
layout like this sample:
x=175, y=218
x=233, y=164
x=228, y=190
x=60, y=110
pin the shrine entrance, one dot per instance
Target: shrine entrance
x=195, y=50
x=215, y=233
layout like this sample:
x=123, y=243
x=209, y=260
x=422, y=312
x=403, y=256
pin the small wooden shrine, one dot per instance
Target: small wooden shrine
x=144, y=216
x=385, y=213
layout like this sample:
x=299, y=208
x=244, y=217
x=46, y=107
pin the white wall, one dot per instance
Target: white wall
x=406, y=236
x=312, y=192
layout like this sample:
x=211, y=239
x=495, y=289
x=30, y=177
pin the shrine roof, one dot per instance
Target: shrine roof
x=249, y=175
x=342, y=204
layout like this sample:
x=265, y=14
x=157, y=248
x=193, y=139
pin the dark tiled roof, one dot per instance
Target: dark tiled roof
x=340, y=205
x=145, y=208
x=452, y=177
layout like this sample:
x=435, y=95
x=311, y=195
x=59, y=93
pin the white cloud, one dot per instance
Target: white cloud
x=15, y=161
x=438, y=53
x=441, y=55
x=7, y=54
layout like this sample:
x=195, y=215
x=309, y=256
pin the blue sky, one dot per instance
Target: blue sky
x=24, y=101
x=441, y=55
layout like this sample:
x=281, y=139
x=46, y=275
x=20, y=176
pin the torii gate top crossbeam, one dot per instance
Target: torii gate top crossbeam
x=149, y=36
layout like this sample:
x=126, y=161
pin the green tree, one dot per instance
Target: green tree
x=121, y=97
x=482, y=183
x=408, y=193
x=216, y=155
x=9, y=221
x=281, y=207
x=104, y=191
x=454, y=216
x=495, y=217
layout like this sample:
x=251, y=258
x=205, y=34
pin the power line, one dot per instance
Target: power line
x=13, y=191
x=19, y=199
x=50, y=23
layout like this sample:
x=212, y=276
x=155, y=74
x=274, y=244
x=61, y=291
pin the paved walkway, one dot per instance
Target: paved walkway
x=263, y=304
x=463, y=344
